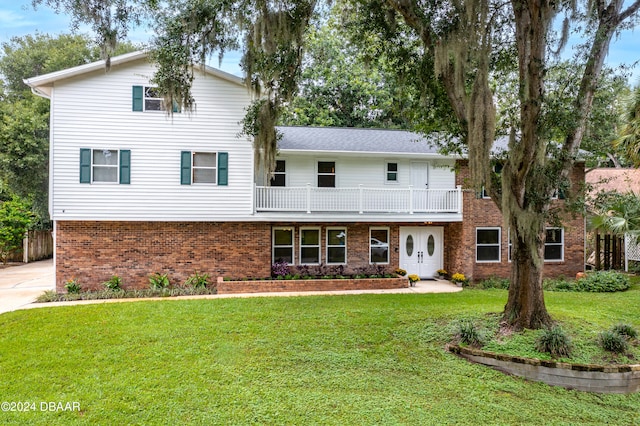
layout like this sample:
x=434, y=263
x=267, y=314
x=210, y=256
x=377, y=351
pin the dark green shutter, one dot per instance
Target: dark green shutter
x=223, y=168
x=176, y=107
x=185, y=167
x=125, y=166
x=85, y=165
x=138, y=98
x=561, y=195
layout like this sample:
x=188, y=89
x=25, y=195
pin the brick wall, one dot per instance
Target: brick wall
x=478, y=212
x=94, y=251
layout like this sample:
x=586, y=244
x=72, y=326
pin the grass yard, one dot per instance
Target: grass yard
x=334, y=360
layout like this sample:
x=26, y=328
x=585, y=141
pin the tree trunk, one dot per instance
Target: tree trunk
x=525, y=306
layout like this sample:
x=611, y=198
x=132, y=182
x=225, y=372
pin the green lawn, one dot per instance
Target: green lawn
x=368, y=359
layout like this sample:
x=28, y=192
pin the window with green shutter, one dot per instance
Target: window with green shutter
x=204, y=168
x=105, y=166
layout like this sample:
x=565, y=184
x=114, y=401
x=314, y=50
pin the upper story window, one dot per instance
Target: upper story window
x=326, y=174
x=487, y=245
x=105, y=166
x=204, y=167
x=497, y=169
x=278, y=177
x=391, y=175
x=147, y=98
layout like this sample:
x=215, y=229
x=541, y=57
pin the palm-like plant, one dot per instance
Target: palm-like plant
x=629, y=139
x=618, y=214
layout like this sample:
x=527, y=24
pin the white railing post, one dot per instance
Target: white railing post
x=360, y=199
x=459, y=188
x=410, y=199
x=308, y=198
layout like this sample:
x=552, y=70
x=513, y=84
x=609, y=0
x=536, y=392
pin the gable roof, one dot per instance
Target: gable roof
x=614, y=180
x=354, y=140
x=42, y=84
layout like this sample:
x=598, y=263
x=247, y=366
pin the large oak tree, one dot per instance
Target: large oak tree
x=466, y=41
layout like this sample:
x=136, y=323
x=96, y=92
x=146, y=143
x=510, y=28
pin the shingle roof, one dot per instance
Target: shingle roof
x=615, y=180
x=336, y=139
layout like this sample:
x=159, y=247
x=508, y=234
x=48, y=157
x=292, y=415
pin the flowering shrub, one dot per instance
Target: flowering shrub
x=413, y=278
x=401, y=272
x=72, y=286
x=458, y=278
x=280, y=268
x=441, y=272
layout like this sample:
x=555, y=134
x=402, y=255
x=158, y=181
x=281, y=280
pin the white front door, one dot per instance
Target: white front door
x=421, y=249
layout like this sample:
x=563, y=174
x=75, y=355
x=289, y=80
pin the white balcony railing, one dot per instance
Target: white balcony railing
x=358, y=200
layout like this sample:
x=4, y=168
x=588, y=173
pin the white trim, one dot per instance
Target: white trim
x=334, y=174
x=300, y=246
x=386, y=172
x=327, y=245
x=193, y=167
x=489, y=228
x=105, y=166
x=293, y=240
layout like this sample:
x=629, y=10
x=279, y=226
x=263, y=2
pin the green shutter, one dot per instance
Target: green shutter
x=125, y=166
x=185, y=167
x=85, y=165
x=223, y=168
x=176, y=107
x=561, y=195
x=138, y=98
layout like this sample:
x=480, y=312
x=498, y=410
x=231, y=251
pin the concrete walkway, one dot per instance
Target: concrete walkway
x=20, y=285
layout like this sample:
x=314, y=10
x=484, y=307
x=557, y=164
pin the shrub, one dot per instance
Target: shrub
x=72, y=286
x=197, y=280
x=280, y=268
x=159, y=281
x=555, y=342
x=114, y=283
x=603, y=282
x=495, y=282
x=469, y=334
x=613, y=342
x=559, y=284
x=401, y=272
x=625, y=330
x=413, y=278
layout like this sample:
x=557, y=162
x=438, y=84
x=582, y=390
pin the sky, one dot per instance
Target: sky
x=18, y=18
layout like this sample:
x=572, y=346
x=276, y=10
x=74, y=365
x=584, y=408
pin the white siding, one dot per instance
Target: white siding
x=95, y=111
x=370, y=171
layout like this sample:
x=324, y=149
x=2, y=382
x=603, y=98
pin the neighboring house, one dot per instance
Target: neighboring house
x=613, y=180
x=134, y=192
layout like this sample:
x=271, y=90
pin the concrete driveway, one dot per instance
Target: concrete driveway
x=20, y=285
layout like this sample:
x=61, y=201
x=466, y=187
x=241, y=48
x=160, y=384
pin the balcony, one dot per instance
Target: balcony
x=360, y=200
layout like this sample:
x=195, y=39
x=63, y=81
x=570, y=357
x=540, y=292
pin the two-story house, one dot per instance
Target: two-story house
x=134, y=191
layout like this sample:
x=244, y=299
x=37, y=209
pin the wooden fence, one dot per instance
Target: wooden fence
x=35, y=246
x=610, y=252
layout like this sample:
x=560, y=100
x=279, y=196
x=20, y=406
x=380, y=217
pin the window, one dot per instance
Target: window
x=379, y=245
x=497, y=169
x=326, y=174
x=204, y=167
x=487, y=244
x=309, y=246
x=278, y=177
x=337, y=245
x=282, y=248
x=392, y=173
x=105, y=166
x=554, y=245
x=147, y=98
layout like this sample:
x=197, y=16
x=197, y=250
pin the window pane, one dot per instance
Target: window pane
x=105, y=174
x=554, y=235
x=204, y=159
x=553, y=252
x=153, y=105
x=151, y=92
x=326, y=181
x=204, y=176
x=392, y=167
x=280, y=166
x=283, y=253
x=392, y=177
x=488, y=253
x=278, y=180
x=326, y=167
x=310, y=237
x=336, y=237
x=487, y=236
x=106, y=157
x=382, y=235
x=336, y=255
x=283, y=237
x=310, y=255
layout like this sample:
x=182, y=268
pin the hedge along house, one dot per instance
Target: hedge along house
x=134, y=192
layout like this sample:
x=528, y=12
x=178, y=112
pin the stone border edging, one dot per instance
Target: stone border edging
x=267, y=286
x=623, y=379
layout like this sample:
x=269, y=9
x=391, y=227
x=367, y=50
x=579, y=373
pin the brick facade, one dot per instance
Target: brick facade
x=480, y=212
